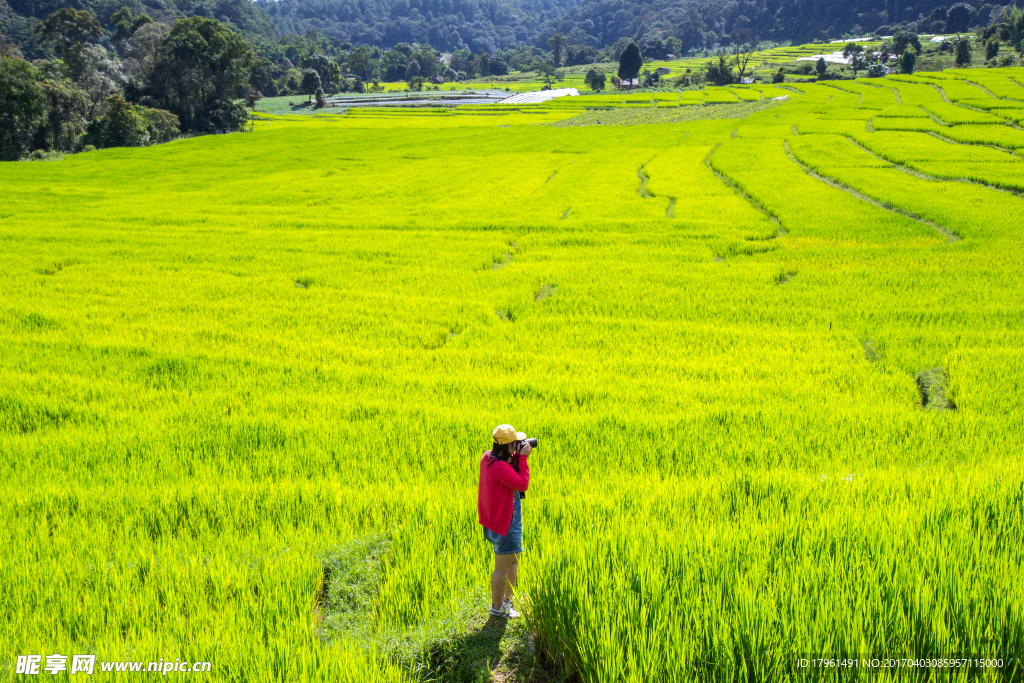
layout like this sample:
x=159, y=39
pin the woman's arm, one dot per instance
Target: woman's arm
x=503, y=473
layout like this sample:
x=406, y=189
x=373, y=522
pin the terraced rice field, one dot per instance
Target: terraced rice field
x=774, y=363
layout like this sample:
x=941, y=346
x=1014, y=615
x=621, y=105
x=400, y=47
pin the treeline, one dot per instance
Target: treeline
x=708, y=24
x=160, y=81
x=506, y=27
x=448, y=25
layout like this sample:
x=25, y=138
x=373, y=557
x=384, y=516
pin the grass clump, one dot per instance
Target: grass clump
x=544, y=291
x=784, y=276
x=933, y=386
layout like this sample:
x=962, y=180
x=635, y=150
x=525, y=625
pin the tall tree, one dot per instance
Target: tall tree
x=557, y=45
x=963, y=51
x=70, y=30
x=901, y=40
x=334, y=75
x=201, y=65
x=908, y=60
x=21, y=106
x=310, y=83
x=630, y=62
x=958, y=17
x=595, y=80
x=126, y=23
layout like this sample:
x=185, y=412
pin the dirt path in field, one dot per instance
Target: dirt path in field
x=945, y=232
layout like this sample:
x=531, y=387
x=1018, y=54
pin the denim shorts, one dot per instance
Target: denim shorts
x=512, y=542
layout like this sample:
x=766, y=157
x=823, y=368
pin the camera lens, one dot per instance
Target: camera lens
x=532, y=442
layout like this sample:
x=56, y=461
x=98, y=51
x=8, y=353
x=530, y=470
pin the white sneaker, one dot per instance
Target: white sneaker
x=508, y=609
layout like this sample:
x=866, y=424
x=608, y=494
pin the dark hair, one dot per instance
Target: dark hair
x=501, y=452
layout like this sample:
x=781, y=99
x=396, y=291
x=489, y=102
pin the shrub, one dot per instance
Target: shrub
x=963, y=52
x=128, y=125
x=907, y=61
x=991, y=48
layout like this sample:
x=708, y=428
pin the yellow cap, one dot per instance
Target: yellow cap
x=504, y=434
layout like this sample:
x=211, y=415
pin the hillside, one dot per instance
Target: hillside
x=490, y=25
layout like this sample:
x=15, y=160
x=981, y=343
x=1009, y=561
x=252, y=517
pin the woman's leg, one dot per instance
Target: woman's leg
x=510, y=576
x=500, y=577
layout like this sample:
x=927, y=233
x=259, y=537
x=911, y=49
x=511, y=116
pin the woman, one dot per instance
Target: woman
x=500, y=513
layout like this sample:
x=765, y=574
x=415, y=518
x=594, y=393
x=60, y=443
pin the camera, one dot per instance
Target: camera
x=515, y=461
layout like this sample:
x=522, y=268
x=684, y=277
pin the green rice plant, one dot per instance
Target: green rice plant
x=953, y=115
x=944, y=159
x=902, y=112
x=999, y=136
x=203, y=461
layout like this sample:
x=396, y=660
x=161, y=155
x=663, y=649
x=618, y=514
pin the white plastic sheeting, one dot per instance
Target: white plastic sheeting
x=538, y=97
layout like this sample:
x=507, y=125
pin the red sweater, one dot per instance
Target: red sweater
x=494, y=499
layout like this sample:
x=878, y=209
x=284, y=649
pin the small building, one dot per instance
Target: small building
x=439, y=80
x=670, y=56
x=663, y=71
x=446, y=58
x=746, y=81
x=629, y=83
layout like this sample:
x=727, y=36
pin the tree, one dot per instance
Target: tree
x=357, y=61
x=318, y=62
x=202, y=64
x=963, y=52
x=334, y=75
x=430, y=65
x=143, y=50
x=674, y=46
x=127, y=125
x=69, y=30
x=556, y=43
x=310, y=83
x=991, y=48
x=907, y=61
x=21, y=106
x=653, y=48
x=901, y=40
x=580, y=54
x=549, y=73
x=855, y=53
x=102, y=76
x=630, y=62
x=595, y=80
x=483, y=62
x=779, y=76
x=125, y=24
x=67, y=112
x=958, y=17
x=118, y=127
x=821, y=67
x=719, y=73
x=742, y=54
